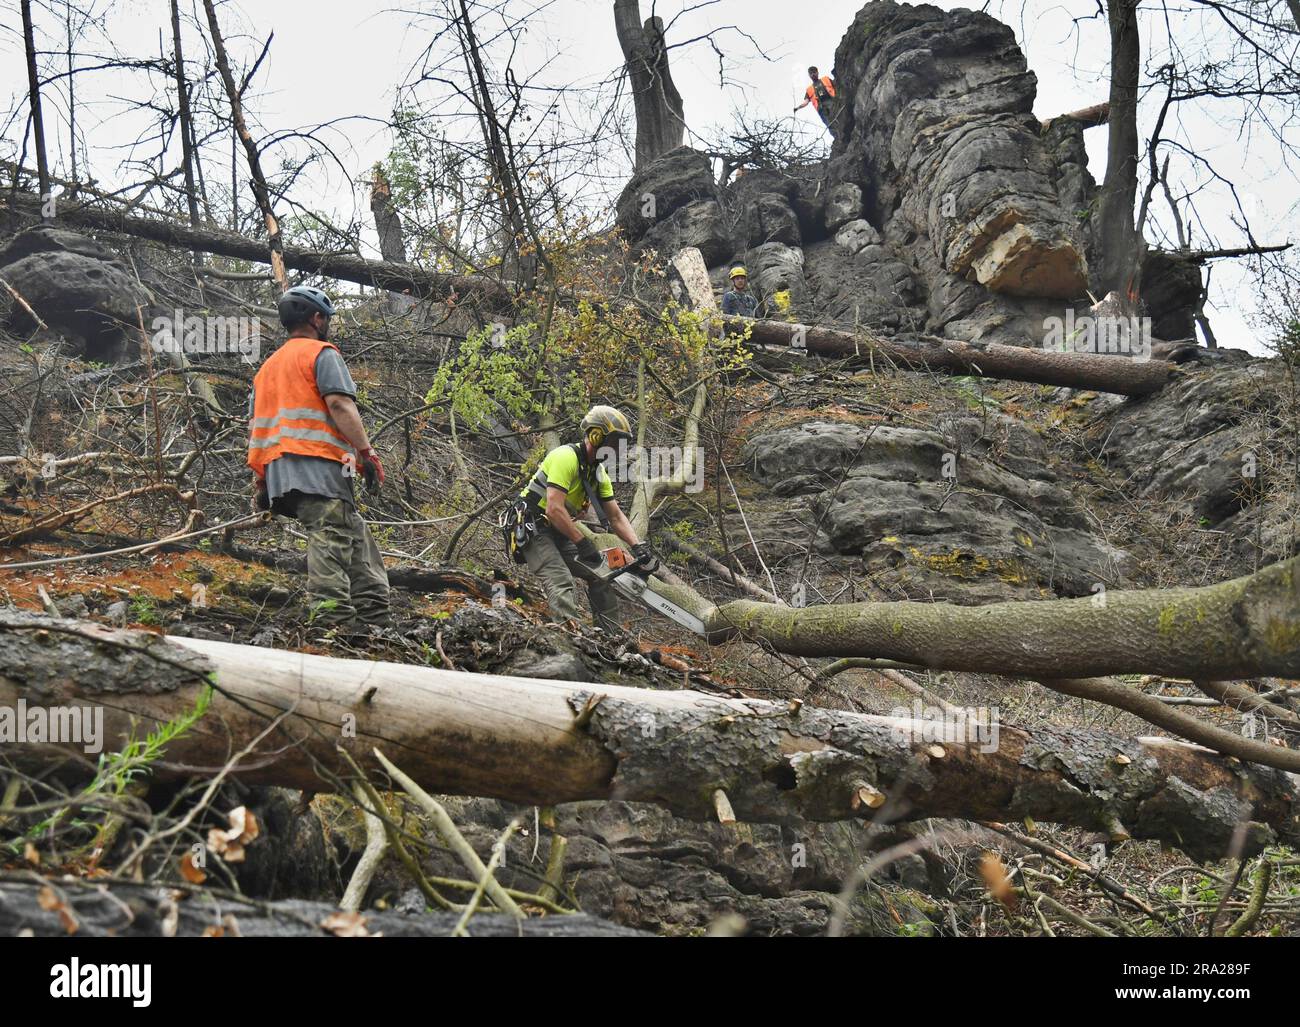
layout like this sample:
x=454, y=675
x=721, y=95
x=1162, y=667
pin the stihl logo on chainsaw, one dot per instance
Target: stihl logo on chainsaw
x=637, y=585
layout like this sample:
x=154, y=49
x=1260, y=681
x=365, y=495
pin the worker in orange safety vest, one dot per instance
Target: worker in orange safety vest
x=306, y=446
x=821, y=94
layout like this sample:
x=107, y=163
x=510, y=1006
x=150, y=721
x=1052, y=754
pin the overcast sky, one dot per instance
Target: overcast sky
x=334, y=59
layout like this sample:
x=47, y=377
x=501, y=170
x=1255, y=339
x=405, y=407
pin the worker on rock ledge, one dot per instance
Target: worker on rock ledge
x=738, y=301
x=821, y=94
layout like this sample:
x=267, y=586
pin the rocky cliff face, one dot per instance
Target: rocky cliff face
x=945, y=207
x=939, y=126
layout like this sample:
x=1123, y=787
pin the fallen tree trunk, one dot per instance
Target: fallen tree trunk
x=1121, y=375
x=1244, y=628
x=1125, y=377
x=547, y=742
x=94, y=908
x=345, y=266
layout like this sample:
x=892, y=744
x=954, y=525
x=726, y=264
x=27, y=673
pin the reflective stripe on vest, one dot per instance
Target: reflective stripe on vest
x=289, y=413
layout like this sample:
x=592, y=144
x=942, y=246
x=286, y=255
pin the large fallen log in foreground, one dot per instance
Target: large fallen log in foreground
x=1115, y=374
x=123, y=909
x=548, y=742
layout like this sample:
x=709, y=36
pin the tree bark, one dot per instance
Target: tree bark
x=186, y=118
x=660, y=116
x=1243, y=628
x=34, y=100
x=388, y=225
x=344, y=266
x=1119, y=245
x=125, y=909
x=698, y=295
x=261, y=192
x=546, y=742
x=1120, y=375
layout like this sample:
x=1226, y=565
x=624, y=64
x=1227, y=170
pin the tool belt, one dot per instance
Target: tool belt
x=518, y=524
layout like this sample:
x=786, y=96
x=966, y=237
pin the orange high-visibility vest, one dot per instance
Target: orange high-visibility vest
x=811, y=93
x=289, y=413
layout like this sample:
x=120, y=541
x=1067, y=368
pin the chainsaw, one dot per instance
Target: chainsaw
x=627, y=576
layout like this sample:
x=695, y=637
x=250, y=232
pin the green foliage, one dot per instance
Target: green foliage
x=144, y=611
x=318, y=608
x=509, y=367
x=683, y=530
x=117, y=771
x=1287, y=341
x=971, y=390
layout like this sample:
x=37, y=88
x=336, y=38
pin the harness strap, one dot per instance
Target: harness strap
x=589, y=488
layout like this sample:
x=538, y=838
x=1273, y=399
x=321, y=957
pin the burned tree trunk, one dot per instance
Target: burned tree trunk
x=124, y=909
x=344, y=266
x=660, y=117
x=546, y=742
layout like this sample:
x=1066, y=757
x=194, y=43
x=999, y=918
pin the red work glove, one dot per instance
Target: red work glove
x=372, y=471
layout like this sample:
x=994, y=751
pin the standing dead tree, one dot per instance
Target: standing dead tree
x=1116, y=238
x=186, y=120
x=261, y=191
x=660, y=116
x=34, y=99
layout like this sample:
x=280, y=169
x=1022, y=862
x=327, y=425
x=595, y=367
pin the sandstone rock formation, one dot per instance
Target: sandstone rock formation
x=945, y=207
x=76, y=286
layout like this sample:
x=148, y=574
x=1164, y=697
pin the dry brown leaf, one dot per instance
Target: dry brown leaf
x=213, y=931
x=996, y=880
x=47, y=898
x=70, y=923
x=32, y=854
x=192, y=873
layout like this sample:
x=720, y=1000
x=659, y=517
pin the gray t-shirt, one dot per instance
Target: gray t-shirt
x=314, y=475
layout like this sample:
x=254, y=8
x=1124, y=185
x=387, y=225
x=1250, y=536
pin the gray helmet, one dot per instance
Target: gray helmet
x=300, y=302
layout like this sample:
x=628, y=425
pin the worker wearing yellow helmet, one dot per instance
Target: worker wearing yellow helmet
x=541, y=527
x=738, y=301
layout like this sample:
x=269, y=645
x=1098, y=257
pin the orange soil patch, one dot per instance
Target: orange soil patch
x=164, y=576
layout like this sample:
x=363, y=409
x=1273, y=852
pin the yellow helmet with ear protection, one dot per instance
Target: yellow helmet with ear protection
x=605, y=426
